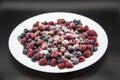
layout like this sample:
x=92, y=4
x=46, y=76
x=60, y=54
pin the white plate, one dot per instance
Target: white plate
x=16, y=48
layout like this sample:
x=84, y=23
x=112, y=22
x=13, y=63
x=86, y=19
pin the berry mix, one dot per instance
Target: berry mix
x=61, y=43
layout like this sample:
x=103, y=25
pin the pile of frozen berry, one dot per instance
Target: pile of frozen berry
x=61, y=43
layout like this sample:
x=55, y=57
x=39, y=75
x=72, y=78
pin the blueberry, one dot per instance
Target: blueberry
x=45, y=23
x=76, y=21
x=29, y=40
x=59, y=46
x=22, y=35
x=35, y=50
x=49, y=49
x=95, y=49
x=77, y=53
x=63, y=21
x=34, y=58
x=48, y=57
x=49, y=44
x=70, y=48
x=26, y=30
x=48, y=62
x=76, y=31
x=85, y=34
x=67, y=55
x=91, y=41
x=25, y=51
x=19, y=38
x=75, y=61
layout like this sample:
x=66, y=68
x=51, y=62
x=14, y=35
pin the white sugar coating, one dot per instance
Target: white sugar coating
x=65, y=42
x=44, y=52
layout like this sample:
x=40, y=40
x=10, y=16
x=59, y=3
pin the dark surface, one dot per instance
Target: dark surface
x=107, y=14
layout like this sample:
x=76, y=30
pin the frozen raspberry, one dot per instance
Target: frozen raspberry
x=28, y=35
x=63, y=60
x=67, y=23
x=42, y=62
x=30, y=53
x=52, y=33
x=39, y=42
x=87, y=41
x=23, y=40
x=76, y=47
x=92, y=33
x=80, y=28
x=82, y=47
x=81, y=58
x=36, y=24
x=87, y=54
x=72, y=42
x=86, y=28
x=95, y=44
x=39, y=55
x=89, y=47
x=69, y=65
x=51, y=23
x=30, y=45
x=63, y=49
x=53, y=62
x=44, y=46
x=61, y=65
x=33, y=35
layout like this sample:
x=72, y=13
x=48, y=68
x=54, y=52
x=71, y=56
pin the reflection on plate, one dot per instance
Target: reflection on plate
x=16, y=48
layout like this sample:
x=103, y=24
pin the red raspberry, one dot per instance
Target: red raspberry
x=61, y=65
x=87, y=54
x=86, y=28
x=95, y=44
x=28, y=35
x=36, y=24
x=89, y=47
x=39, y=42
x=54, y=55
x=82, y=47
x=81, y=58
x=63, y=60
x=34, y=29
x=76, y=47
x=72, y=42
x=39, y=55
x=53, y=62
x=33, y=35
x=72, y=25
x=67, y=23
x=69, y=65
x=52, y=33
x=80, y=28
x=30, y=45
x=63, y=49
x=51, y=23
x=23, y=40
x=42, y=27
x=42, y=62
x=93, y=33
x=94, y=38
x=87, y=41
x=44, y=46
x=59, y=21
x=30, y=53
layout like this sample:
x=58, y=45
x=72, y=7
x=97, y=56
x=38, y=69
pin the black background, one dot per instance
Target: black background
x=104, y=12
